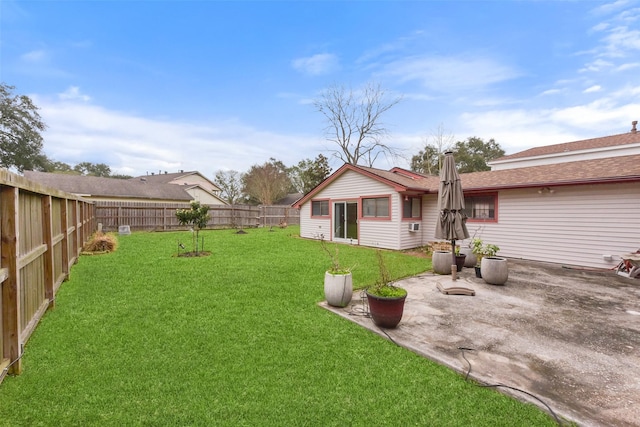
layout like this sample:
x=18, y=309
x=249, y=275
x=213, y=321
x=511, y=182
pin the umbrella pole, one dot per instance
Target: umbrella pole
x=454, y=266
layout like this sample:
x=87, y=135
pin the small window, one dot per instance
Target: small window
x=411, y=207
x=320, y=208
x=481, y=207
x=375, y=207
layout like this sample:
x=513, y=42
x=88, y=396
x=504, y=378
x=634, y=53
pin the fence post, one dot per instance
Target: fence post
x=9, y=230
x=47, y=231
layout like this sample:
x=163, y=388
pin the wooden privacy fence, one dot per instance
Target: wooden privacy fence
x=141, y=216
x=43, y=231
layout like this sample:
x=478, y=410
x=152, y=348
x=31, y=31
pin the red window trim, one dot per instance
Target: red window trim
x=411, y=219
x=495, y=207
x=374, y=218
x=328, y=215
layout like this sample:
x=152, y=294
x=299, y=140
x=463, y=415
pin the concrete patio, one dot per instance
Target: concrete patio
x=569, y=336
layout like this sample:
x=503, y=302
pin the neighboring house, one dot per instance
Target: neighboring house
x=582, y=212
x=197, y=185
x=289, y=199
x=141, y=189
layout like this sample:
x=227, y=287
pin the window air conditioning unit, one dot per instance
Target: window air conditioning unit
x=414, y=226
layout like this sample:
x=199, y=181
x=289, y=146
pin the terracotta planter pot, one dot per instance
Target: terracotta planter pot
x=386, y=312
x=441, y=262
x=495, y=271
x=338, y=289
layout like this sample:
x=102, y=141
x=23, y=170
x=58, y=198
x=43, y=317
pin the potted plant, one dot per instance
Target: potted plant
x=480, y=250
x=386, y=301
x=460, y=259
x=494, y=270
x=338, y=281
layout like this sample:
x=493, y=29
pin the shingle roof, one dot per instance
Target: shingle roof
x=109, y=187
x=409, y=180
x=607, y=170
x=586, y=144
x=164, y=178
x=612, y=169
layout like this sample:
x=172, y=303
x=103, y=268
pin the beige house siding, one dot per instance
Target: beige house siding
x=204, y=197
x=573, y=225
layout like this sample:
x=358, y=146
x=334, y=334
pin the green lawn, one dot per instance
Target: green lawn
x=142, y=337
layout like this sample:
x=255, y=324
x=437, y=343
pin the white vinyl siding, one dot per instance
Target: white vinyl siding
x=351, y=186
x=574, y=225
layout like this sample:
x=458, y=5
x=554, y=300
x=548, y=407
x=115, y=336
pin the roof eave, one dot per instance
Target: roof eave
x=611, y=180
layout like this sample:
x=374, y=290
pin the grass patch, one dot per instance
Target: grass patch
x=142, y=337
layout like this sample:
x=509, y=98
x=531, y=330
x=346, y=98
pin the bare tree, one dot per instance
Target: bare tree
x=354, y=122
x=429, y=160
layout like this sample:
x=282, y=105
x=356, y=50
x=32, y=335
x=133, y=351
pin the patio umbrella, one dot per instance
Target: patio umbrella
x=451, y=224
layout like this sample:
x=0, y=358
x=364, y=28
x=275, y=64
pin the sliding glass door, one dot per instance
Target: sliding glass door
x=345, y=221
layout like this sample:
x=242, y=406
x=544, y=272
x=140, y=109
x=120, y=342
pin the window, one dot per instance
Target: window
x=375, y=207
x=481, y=207
x=320, y=208
x=411, y=207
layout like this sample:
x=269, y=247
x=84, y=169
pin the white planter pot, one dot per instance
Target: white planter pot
x=338, y=289
x=441, y=262
x=495, y=271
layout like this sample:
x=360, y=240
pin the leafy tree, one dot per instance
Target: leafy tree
x=58, y=167
x=307, y=174
x=473, y=154
x=93, y=169
x=197, y=217
x=230, y=183
x=354, y=122
x=20, y=127
x=427, y=161
x=266, y=183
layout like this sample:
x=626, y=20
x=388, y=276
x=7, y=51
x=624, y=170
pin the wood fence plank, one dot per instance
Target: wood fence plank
x=9, y=229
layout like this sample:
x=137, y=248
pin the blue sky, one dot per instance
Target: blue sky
x=148, y=86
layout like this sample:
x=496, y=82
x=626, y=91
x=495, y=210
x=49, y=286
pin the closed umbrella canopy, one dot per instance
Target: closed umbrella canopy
x=451, y=224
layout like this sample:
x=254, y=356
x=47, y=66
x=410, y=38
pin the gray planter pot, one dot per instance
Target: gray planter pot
x=338, y=289
x=441, y=262
x=495, y=271
x=471, y=259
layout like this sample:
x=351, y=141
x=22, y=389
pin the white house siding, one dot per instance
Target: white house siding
x=352, y=186
x=570, y=156
x=414, y=239
x=312, y=228
x=574, y=225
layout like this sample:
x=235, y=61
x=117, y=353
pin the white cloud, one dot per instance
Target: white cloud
x=446, y=74
x=551, y=92
x=73, y=93
x=596, y=66
x=594, y=88
x=629, y=66
x=35, y=56
x=322, y=63
x=135, y=145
